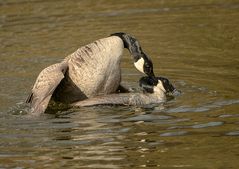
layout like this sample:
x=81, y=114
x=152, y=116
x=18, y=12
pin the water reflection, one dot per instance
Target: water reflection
x=203, y=108
x=176, y=133
x=93, y=143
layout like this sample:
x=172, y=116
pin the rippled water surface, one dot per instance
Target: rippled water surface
x=193, y=43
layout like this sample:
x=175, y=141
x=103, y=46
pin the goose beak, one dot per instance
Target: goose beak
x=176, y=92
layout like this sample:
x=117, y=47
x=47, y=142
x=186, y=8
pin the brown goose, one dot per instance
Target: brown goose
x=93, y=69
x=155, y=91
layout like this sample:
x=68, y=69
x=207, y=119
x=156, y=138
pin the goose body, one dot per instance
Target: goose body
x=92, y=70
x=154, y=93
x=127, y=99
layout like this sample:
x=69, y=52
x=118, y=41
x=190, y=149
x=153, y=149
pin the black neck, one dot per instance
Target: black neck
x=131, y=44
x=136, y=51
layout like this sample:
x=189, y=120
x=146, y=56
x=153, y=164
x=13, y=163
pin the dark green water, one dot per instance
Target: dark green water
x=193, y=43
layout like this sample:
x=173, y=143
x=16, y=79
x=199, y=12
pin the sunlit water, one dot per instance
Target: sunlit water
x=193, y=43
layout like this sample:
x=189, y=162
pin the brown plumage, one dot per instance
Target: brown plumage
x=92, y=70
x=45, y=85
x=128, y=99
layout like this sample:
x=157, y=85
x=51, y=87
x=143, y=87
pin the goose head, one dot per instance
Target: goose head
x=158, y=85
x=142, y=62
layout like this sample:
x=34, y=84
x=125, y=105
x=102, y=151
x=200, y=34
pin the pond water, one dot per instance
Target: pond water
x=193, y=43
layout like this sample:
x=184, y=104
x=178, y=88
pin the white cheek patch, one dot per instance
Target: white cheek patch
x=159, y=87
x=140, y=65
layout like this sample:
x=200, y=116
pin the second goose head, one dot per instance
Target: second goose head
x=158, y=85
x=142, y=62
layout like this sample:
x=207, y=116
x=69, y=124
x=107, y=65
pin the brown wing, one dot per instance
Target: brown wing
x=46, y=83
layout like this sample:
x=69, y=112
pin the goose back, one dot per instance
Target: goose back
x=92, y=70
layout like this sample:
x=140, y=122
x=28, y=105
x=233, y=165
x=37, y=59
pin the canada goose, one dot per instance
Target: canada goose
x=155, y=91
x=92, y=70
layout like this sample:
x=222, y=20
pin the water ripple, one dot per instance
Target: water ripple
x=148, y=118
x=176, y=133
x=210, y=124
x=233, y=133
x=203, y=108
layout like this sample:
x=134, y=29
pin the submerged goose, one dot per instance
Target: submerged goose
x=93, y=69
x=155, y=91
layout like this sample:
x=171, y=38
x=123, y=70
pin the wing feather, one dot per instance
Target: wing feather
x=47, y=81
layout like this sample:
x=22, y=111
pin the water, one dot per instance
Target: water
x=194, y=44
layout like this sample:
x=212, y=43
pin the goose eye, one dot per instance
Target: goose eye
x=151, y=82
x=146, y=66
x=147, y=69
x=132, y=40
